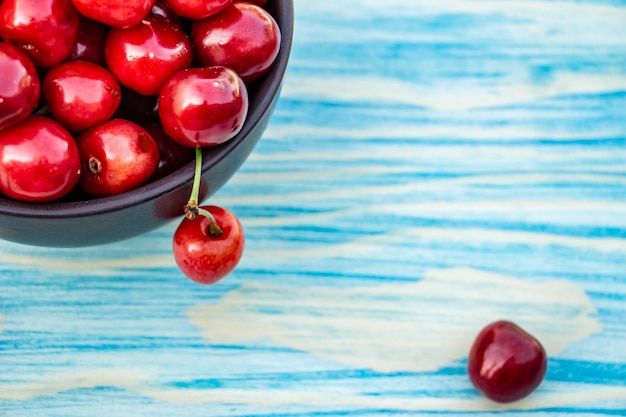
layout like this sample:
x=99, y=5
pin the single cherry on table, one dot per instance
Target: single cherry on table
x=505, y=362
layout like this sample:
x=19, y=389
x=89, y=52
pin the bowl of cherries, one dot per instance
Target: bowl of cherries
x=119, y=116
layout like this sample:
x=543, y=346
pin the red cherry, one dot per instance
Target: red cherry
x=243, y=37
x=197, y=9
x=161, y=11
x=90, y=43
x=45, y=29
x=144, y=56
x=38, y=160
x=116, y=156
x=207, y=259
x=20, y=87
x=505, y=362
x=172, y=155
x=203, y=106
x=81, y=94
x=115, y=13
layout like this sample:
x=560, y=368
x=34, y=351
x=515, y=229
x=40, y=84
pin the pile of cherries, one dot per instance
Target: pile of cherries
x=98, y=97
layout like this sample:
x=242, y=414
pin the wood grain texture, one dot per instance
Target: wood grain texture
x=431, y=167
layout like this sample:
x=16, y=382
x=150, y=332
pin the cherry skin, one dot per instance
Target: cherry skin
x=161, y=11
x=116, y=156
x=204, y=106
x=20, y=87
x=45, y=29
x=243, y=37
x=39, y=160
x=81, y=94
x=90, y=43
x=172, y=155
x=197, y=9
x=115, y=13
x=203, y=258
x=505, y=362
x=144, y=56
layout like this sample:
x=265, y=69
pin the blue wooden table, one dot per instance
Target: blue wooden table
x=432, y=166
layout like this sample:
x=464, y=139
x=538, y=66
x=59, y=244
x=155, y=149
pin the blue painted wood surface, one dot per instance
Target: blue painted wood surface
x=431, y=167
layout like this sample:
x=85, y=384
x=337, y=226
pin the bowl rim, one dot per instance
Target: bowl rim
x=265, y=92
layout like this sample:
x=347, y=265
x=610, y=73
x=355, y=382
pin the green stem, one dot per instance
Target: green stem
x=215, y=230
x=195, y=190
x=192, y=210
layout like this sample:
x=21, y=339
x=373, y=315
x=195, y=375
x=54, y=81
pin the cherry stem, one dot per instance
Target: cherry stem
x=195, y=190
x=192, y=210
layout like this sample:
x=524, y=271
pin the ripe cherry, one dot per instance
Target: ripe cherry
x=209, y=242
x=90, y=43
x=505, y=362
x=115, y=13
x=203, y=106
x=243, y=37
x=20, y=87
x=116, y=156
x=161, y=11
x=207, y=253
x=45, y=29
x=38, y=160
x=144, y=56
x=196, y=9
x=81, y=94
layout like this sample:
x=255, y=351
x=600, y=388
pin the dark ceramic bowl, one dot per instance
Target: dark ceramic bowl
x=105, y=220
